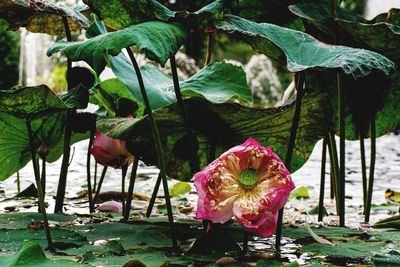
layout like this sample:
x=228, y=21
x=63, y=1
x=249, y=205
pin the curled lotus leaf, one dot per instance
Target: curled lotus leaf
x=42, y=16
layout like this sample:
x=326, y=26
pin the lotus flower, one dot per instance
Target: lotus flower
x=248, y=182
x=110, y=152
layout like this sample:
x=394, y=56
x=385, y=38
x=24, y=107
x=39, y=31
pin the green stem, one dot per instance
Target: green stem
x=245, y=244
x=342, y=155
x=371, y=168
x=88, y=173
x=322, y=184
x=194, y=161
x=130, y=189
x=124, y=171
x=158, y=145
x=18, y=182
x=95, y=176
x=363, y=169
x=333, y=9
x=210, y=44
x=103, y=174
x=299, y=80
x=153, y=197
x=335, y=167
x=332, y=178
x=43, y=179
x=67, y=138
x=36, y=171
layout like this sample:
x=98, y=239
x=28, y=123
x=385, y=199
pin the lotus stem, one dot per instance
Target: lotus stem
x=342, y=155
x=335, y=166
x=157, y=140
x=67, y=138
x=88, y=173
x=194, y=162
x=210, y=45
x=333, y=9
x=332, y=179
x=299, y=81
x=363, y=169
x=36, y=171
x=130, y=189
x=371, y=167
x=43, y=179
x=245, y=244
x=95, y=176
x=18, y=182
x=124, y=171
x=103, y=174
x=153, y=197
x=322, y=184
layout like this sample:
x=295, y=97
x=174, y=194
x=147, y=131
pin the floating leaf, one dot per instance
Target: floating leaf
x=158, y=40
x=391, y=222
x=31, y=254
x=42, y=16
x=390, y=259
x=180, y=188
x=145, y=239
x=300, y=192
x=302, y=51
x=228, y=124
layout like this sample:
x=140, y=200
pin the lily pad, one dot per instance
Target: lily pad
x=302, y=51
x=31, y=254
x=21, y=220
x=42, y=16
x=180, y=188
x=158, y=40
x=227, y=125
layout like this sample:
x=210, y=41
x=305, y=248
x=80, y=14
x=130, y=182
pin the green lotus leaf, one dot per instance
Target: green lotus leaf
x=302, y=51
x=218, y=82
x=382, y=34
x=158, y=40
x=42, y=16
x=227, y=125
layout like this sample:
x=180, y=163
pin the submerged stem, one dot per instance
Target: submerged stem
x=130, y=189
x=36, y=171
x=371, y=167
x=322, y=184
x=299, y=81
x=157, y=141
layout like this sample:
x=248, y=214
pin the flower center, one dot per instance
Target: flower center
x=248, y=178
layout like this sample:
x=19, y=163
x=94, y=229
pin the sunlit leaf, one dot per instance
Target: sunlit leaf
x=180, y=188
x=302, y=51
x=228, y=124
x=158, y=40
x=42, y=16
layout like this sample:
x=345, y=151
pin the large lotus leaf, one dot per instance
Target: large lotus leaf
x=378, y=35
x=31, y=102
x=225, y=124
x=302, y=51
x=41, y=16
x=31, y=254
x=219, y=82
x=119, y=14
x=15, y=146
x=158, y=40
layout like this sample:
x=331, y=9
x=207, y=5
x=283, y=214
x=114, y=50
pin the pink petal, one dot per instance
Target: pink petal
x=110, y=206
x=263, y=224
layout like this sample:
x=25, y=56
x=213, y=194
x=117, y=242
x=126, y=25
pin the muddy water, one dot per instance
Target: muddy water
x=387, y=176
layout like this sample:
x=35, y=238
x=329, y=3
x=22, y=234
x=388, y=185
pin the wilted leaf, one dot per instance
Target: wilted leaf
x=302, y=51
x=158, y=40
x=228, y=124
x=42, y=16
x=180, y=188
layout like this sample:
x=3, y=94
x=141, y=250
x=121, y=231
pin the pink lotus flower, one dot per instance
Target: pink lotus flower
x=248, y=182
x=110, y=152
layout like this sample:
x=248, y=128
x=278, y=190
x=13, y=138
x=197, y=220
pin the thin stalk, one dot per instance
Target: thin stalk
x=18, y=182
x=332, y=179
x=210, y=45
x=371, y=167
x=67, y=139
x=130, y=189
x=124, y=171
x=194, y=161
x=342, y=155
x=335, y=167
x=322, y=184
x=153, y=197
x=95, y=176
x=333, y=9
x=299, y=80
x=88, y=173
x=43, y=179
x=363, y=169
x=157, y=141
x=36, y=171
x=103, y=174
x=245, y=244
